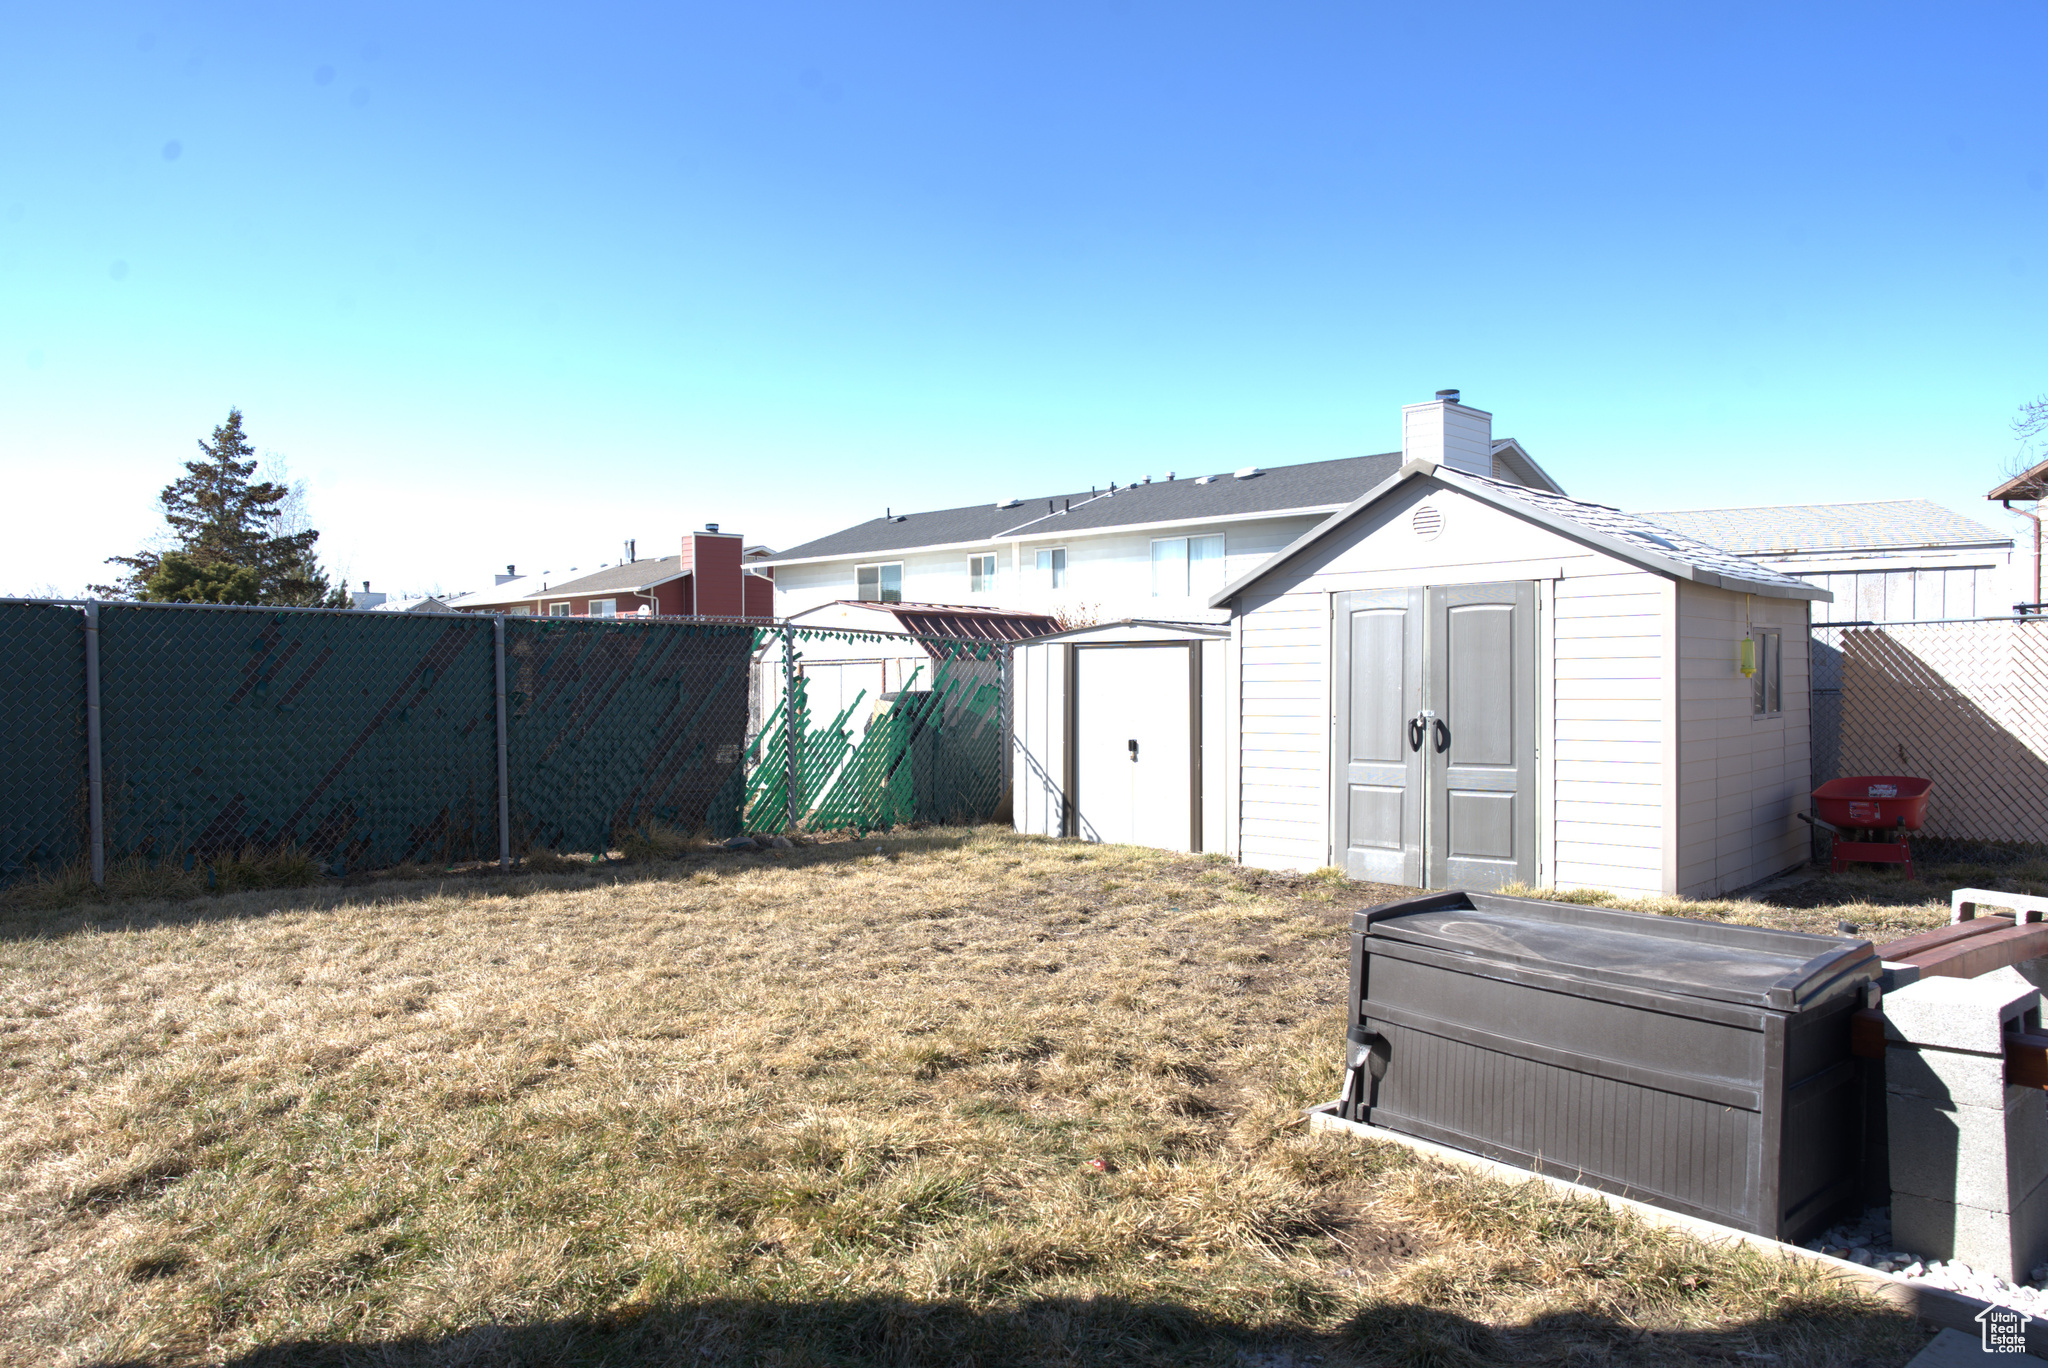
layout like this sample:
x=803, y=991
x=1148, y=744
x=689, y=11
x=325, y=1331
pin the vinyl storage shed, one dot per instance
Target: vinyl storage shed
x=1119, y=730
x=1459, y=682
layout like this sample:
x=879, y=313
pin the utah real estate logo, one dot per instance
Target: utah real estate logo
x=2005, y=1330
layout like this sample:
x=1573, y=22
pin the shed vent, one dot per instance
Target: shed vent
x=1427, y=522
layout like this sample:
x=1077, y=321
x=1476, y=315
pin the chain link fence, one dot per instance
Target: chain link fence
x=194, y=734
x=42, y=752
x=1963, y=703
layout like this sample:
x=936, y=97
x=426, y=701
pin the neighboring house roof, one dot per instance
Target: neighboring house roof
x=2031, y=484
x=1625, y=536
x=1312, y=487
x=1794, y=529
x=426, y=603
x=629, y=577
x=511, y=591
x=951, y=620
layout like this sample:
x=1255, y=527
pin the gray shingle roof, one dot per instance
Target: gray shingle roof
x=629, y=577
x=1657, y=548
x=1312, y=485
x=1891, y=525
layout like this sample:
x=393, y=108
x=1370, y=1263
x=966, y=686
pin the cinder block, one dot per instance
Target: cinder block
x=1948, y=1078
x=1985, y=1157
x=1925, y=1226
x=2005, y=1243
x=1959, y=1014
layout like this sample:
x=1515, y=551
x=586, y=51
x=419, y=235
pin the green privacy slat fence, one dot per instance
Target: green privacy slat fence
x=613, y=724
x=42, y=737
x=368, y=739
x=373, y=738
x=933, y=750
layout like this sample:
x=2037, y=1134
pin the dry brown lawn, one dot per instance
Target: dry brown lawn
x=948, y=1097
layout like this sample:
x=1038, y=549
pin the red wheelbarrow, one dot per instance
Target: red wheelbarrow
x=1869, y=816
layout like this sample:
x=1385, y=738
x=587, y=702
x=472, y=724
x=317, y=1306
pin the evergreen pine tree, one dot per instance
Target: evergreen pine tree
x=222, y=521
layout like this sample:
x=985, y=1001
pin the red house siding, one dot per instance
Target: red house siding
x=625, y=603
x=673, y=598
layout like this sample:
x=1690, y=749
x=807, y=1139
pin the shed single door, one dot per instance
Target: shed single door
x=1133, y=757
x=1379, y=669
x=1482, y=744
x=1435, y=735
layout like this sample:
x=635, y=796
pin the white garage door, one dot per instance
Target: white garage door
x=1134, y=756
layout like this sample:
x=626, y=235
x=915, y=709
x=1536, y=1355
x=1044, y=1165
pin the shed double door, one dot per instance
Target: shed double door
x=1436, y=735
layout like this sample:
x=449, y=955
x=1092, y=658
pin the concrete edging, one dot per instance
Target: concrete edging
x=1949, y=1310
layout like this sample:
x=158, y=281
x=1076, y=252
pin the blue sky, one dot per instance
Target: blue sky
x=515, y=285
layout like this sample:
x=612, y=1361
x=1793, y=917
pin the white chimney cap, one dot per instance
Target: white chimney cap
x=1248, y=472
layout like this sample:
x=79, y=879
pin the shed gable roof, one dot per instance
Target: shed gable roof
x=1625, y=536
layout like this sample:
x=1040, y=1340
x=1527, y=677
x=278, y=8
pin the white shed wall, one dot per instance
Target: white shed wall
x=1740, y=776
x=1038, y=721
x=1608, y=632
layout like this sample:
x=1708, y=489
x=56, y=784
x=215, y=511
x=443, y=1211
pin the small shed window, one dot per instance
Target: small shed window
x=604, y=608
x=558, y=610
x=981, y=574
x=1768, y=687
x=1052, y=568
x=879, y=583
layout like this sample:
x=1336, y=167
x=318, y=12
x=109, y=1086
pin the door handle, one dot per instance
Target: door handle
x=1416, y=728
x=1134, y=749
x=1443, y=736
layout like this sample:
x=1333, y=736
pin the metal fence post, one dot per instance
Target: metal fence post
x=1006, y=665
x=504, y=792
x=790, y=724
x=94, y=772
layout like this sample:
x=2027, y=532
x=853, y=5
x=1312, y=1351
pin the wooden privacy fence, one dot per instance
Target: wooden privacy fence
x=1962, y=703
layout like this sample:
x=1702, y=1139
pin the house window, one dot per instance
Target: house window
x=520, y=610
x=1052, y=568
x=981, y=574
x=1767, y=695
x=604, y=608
x=1170, y=567
x=1205, y=565
x=1184, y=566
x=558, y=610
x=879, y=583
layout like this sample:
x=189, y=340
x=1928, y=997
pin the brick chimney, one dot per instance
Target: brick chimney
x=1448, y=433
x=712, y=560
